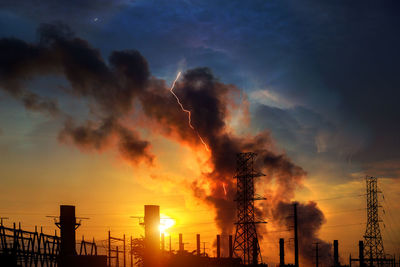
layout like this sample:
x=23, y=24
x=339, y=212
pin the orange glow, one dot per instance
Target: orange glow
x=165, y=223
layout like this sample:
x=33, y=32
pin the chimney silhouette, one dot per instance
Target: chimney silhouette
x=281, y=252
x=230, y=246
x=218, y=246
x=198, y=244
x=152, y=235
x=67, y=225
x=335, y=253
x=361, y=253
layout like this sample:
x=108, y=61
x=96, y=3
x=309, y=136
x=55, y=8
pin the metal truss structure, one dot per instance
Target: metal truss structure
x=29, y=249
x=246, y=244
x=373, y=247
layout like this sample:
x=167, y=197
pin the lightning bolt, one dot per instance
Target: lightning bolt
x=186, y=111
x=223, y=185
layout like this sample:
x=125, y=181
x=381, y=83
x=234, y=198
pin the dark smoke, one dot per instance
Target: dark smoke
x=209, y=101
x=310, y=219
x=109, y=88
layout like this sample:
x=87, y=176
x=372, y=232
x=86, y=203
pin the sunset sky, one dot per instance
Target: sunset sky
x=311, y=85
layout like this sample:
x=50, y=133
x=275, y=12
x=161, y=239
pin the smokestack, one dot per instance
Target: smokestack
x=68, y=226
x=335, y=253
x=152, y=235
x=255, y=251
x=296, y=239
x=230, y=247
x=162, y=242
x=198, y=244
x=180, y=244
x=281, y=252
x=361, y=253
x=218, y=246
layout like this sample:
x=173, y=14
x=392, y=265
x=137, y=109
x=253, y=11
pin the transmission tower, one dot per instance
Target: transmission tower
x=246, y=244
x=373, y=247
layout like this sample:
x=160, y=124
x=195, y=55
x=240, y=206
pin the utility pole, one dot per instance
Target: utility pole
x=1, y=220
x=109, y=248
x=131, y=251
x=204, y=248
x=296, y=238
x=124, y=252
x=316, y=254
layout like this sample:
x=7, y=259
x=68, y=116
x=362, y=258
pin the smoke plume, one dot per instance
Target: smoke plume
x=110, y=89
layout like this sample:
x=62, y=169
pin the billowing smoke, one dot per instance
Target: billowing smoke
x=110, y=90
x=310, y=220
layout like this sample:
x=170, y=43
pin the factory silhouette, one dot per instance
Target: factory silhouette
x=19, y=247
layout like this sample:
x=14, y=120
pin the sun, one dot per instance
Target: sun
x=166, y=222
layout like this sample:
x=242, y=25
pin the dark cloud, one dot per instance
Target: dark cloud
x=110, y=88
x=34, y=102
x=89, y=136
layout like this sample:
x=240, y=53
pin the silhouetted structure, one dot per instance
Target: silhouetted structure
x=218, y=246
x=336, y=253
x=281, y=252
x=181, y=245
x=230, y=246
x=118, y=249
x=152, y=235
x=67, y=225
x=296, y=237
x=246, y=244
x=316, y=254
x=68, y=256
x=198, y=244
x=373, y=247
x=19, y=247
x=360, y=259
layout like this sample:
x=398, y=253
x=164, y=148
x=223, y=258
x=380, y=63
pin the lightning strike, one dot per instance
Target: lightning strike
x=186, y=111
x=223, y=185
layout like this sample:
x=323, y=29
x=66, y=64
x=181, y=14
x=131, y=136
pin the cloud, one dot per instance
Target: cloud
x=111, y=88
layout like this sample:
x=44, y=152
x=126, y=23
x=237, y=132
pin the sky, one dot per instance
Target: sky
x=87, y=118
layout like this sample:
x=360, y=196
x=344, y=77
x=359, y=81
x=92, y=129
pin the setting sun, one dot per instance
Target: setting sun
x=165, y=223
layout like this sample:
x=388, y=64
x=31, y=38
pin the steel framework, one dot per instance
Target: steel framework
x=246, y=244
x=37, y=249
x=28, y=248
x=373, y=247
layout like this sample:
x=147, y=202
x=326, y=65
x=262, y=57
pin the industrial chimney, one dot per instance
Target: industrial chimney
x=152, y=235
x=281, y=252
x=67, y=225
x=336, y=253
